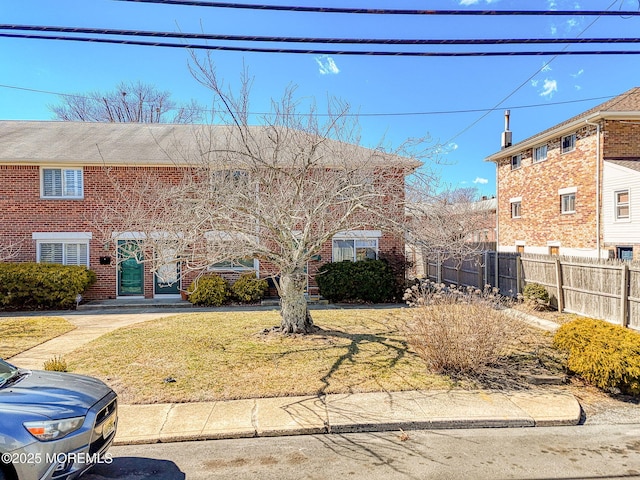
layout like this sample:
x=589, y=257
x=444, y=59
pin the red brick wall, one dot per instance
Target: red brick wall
x=23, y=212
x=538, y=185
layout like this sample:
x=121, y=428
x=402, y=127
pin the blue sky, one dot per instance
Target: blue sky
x=390, y=87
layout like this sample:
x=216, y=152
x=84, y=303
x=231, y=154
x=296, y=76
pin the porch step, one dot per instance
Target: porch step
x=135, y=303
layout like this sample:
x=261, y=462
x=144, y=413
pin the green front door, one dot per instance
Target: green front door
x=167, y=279
x=130, y=269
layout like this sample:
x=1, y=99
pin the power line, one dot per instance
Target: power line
x=513, y=92
x=281, y=39
x=311, y=51
x=387, y=11
x=373, y=114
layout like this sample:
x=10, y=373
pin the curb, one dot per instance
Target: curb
x=342, y=413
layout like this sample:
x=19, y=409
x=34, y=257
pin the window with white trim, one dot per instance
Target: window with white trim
x=65, y=253
x=516, y=209
x=516, y=162
x=540, y=154
x=568, y=203
x=62, y=183
x=239, y=264
x=568, y=143
x=354, y=249
x=622, y=205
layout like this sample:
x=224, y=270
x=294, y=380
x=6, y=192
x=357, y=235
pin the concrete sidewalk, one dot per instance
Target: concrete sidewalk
x=359, y=412
x=344, y=413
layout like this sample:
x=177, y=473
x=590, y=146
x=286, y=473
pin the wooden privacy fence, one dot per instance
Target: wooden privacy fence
x=605, y=289
x=478, y=270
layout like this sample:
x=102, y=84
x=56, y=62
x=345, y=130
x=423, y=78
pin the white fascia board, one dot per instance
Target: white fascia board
x=358, y=234
x=61, y=235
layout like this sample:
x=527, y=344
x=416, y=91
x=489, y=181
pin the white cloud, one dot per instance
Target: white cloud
x=549, y=87
x=545, y=67
x=577, y=87
x=534, y=83
x=327, y=65
x=475, y=2
x=481, y=180
x=554, y=30
x=578, y=73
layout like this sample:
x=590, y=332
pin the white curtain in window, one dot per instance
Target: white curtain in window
x=343, y=250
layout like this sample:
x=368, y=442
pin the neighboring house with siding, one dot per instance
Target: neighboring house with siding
x=56, y=177
x=574, y=189
x=621, y=207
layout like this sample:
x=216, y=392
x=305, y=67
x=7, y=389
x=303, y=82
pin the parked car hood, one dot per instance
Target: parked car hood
x=52, y=394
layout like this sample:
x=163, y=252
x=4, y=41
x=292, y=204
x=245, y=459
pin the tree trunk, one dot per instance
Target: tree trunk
x=293, y=304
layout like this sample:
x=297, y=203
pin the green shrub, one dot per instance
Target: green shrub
x=42, y=285
x=209, y=291
x=536, y=295
x=56, y=364
x=605, y=355
x=249, y=289
x=366, y=280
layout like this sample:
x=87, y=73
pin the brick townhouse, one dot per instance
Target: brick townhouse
x=55, y=177
x=574, y=189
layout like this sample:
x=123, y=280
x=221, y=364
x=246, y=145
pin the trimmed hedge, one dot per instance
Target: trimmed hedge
x=365, y=280
x=605, y=355
x=42, y=285
x=249, y=289
x=209, y=291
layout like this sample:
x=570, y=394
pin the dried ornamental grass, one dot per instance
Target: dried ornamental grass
x=459, y=331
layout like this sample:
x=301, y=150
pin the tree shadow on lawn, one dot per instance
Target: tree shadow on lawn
x=396, y=346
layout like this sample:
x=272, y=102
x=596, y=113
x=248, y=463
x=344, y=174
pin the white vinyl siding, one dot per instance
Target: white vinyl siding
x=62, y=183
x=618, y=230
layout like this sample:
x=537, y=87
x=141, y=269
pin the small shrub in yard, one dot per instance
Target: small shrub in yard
x=210, y=291
x=365, y=280
x=457, y=330
x=42, y=285
x=536, y=296
x=56, y=364
x=249, y=289
x=605, y=355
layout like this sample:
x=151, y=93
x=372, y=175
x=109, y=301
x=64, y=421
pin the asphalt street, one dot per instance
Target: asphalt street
x=567, y=453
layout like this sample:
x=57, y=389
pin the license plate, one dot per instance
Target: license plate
x=109, y=426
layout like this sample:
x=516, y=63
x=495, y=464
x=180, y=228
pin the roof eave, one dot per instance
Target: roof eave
x=559, y=131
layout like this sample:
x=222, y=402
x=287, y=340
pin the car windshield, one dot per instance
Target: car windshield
x=7, y=371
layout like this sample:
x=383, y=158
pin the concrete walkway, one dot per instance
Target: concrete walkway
x=341, y=413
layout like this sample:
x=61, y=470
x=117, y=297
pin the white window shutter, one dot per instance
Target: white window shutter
x=52, y=182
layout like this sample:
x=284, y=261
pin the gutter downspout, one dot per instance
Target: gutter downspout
x=598, y=245
x=497, y=276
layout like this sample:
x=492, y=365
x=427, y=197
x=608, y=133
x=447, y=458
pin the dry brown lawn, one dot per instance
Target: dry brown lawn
x=18, y=334
x=220, y=356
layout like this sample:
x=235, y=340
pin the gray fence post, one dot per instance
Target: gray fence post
x=624, y=297
x=559, y=286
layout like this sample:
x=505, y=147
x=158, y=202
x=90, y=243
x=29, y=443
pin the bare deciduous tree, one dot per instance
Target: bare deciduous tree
x=9, y=249
x=277, y=191
x=442, y=223
x=129, y=102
